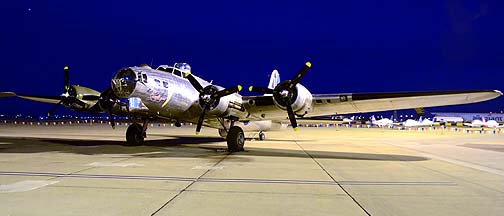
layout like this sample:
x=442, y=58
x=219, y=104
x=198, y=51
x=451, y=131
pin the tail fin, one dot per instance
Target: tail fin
x=423, y=112
x=373, y=119
x=420, y=111
x=274, y=79
x=483, y=119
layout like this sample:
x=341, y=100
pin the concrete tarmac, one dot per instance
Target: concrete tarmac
x=86, y=170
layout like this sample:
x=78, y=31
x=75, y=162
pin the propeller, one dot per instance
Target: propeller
x=209, y=97
x=106, y=101
x=69, y=96
x=285, y=92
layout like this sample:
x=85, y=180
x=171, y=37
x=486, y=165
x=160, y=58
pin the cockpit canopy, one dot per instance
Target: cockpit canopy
x=179, y=69
x=184, y=67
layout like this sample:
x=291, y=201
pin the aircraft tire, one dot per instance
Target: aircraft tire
x=262, y=136
x=235, y=139
x=134, y=136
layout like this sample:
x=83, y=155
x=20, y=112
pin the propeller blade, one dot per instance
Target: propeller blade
x=55, y=107
x=66, y=79
x=227, y=91
x=299, y=75
x=201, y=118
x=292, y=117
x=81, y=103
x=194, y=83
x=261, y=90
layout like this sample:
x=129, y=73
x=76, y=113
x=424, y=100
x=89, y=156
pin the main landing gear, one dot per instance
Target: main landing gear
x=234, y=144
x=135, y=134
x=235, y=139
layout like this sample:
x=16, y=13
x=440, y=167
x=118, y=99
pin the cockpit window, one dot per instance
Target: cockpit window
x=144, y=76
x=177, y=73
x=157, y=82
x=165, y=84
x=184, y=67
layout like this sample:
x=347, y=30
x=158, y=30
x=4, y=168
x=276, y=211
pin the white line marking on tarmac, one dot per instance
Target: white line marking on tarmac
x=463, y=163
x=23, y=186
x=455, y=161
x=269, y=181
x=112, y=164
x=208, y=167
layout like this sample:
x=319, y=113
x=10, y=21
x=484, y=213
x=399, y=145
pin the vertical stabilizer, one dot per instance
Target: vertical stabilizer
x=373, y=119
x=274, y=79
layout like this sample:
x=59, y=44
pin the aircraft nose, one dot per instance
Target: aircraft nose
x=124, y=82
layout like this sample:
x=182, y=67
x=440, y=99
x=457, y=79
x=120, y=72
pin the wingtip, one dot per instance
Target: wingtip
x=308, y=64
x=251, y=88
x=296, y=129
x=7, y=94
x=65, y=68
x=498, y=92
x=239, y=87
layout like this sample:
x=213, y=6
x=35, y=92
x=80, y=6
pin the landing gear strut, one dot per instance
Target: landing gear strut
x=135, y=134
x=234, y=137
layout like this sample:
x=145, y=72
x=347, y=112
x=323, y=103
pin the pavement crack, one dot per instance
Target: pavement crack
x=335, y=181
x=189, y=185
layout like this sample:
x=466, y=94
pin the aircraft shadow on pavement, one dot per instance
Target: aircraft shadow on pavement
x=177, y=146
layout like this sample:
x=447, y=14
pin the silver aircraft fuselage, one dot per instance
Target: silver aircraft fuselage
x=166, y=93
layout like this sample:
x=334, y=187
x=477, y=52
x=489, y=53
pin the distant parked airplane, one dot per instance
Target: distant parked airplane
x=384, y=122
x=414, y=123
x=483, y=123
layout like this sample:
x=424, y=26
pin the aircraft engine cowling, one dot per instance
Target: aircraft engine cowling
x=300, y=99
x=80, y=98
x=217, y=106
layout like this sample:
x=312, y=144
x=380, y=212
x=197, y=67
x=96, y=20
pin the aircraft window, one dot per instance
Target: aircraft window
x=168, y=69
x=144, y=76
x=157, y=81
x=165, y=84
x=177, y=73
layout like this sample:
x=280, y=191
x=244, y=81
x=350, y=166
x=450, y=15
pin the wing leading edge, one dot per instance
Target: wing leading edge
x=330, y=104
x=45, y=99
x=325, y=104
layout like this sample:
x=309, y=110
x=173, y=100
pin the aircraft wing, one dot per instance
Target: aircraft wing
x=263, y=107
x=45, y=99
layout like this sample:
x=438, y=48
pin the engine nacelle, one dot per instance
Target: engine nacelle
x=230, y=105
x=301, y=100
x=82, y=99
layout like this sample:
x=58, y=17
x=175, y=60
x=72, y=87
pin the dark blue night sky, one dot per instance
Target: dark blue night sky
x=355, y=46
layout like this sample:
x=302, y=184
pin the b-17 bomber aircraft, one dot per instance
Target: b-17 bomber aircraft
x=174, y=93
